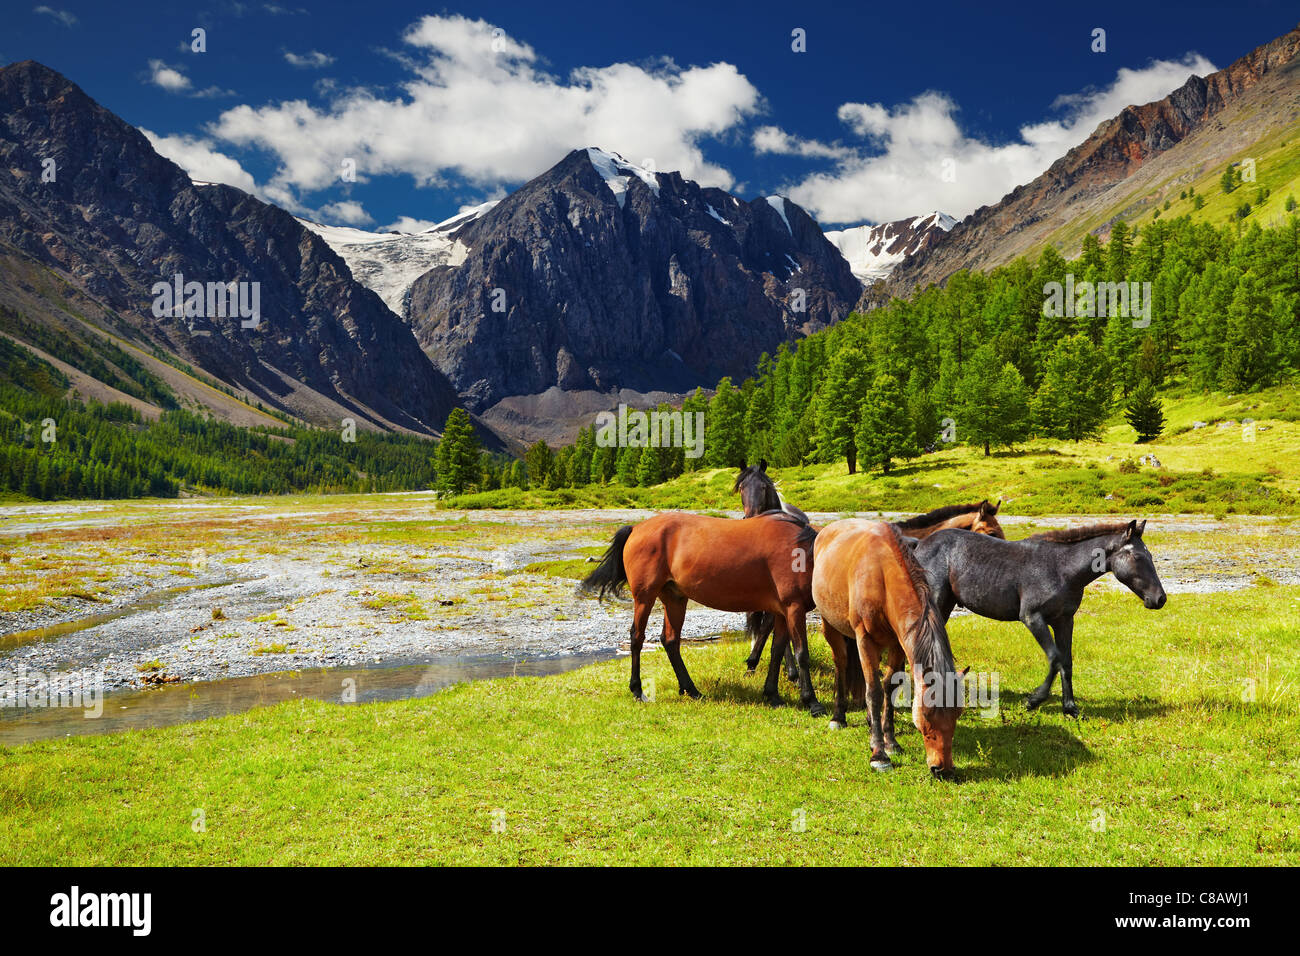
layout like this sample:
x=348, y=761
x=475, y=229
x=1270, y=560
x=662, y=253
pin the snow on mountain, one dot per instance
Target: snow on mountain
x=873, y=251
x=388, y=262
x=778, y=203
x=616, y=171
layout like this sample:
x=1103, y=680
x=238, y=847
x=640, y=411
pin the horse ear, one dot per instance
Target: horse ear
x=996, y=507
x=965, y=670
x=1142, y=526
x=762, y=465
x=1131, y=530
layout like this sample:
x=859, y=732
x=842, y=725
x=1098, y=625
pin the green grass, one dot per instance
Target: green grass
x=1183, y=770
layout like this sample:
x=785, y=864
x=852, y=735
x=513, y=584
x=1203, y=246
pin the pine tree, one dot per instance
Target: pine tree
x=992, y=402
x=457, y=454
x=839, y=407
x=1145, y=413
x=538, y=461
x=726, y=445
x=1074, y=397
x=882, y=432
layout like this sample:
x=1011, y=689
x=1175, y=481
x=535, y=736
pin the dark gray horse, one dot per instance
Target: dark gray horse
x=758, y=495
x=1039, y=581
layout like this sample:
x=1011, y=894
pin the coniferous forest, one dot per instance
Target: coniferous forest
x=981, y=361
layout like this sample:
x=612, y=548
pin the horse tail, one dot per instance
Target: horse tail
x=610, y=575
x=758, y=624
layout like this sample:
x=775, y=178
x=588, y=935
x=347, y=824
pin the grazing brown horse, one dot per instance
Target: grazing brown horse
x=762, y=564
x=978, y=517
x=869, y=586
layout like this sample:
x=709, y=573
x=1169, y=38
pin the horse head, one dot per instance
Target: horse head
x=757, y=490
x=985, y=522
x=1132, y=565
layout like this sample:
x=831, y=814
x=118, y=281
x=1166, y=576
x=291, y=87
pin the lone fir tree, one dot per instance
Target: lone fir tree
x=457, y=455
x=1145, y=413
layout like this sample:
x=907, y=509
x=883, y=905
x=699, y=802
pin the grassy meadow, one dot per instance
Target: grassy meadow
x=1186, y=753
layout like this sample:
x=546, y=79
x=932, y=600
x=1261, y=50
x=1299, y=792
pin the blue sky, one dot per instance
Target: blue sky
x=892, y=110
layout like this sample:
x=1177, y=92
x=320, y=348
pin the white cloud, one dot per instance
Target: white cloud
x=899, y=169
x=347, y=211
x=773, y=139
x=201, y=160
x=63, y=16
x=478, y=105
x=168, y=78
x=173, y=80
x=311, y=60
x=409, y=224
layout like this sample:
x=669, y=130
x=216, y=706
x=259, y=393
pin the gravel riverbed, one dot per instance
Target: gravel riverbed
x=280, y=590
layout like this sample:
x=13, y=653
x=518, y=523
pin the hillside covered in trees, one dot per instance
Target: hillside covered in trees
x=55, y=447
x=982, y=361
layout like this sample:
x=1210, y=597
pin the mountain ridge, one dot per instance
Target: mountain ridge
x=115, y=218
x=1092, y=176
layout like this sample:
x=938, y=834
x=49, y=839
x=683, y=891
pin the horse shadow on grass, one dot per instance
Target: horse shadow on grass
x=1043, y=743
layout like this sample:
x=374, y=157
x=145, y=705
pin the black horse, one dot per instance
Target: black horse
x=758, y=495
x=1039, y=581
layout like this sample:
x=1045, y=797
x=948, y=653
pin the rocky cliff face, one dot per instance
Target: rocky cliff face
x=1106, y=172
x=115, y=218
x=600, y=275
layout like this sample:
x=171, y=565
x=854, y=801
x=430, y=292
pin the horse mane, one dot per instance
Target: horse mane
x=931, y=652
x=937, y=515
x=807, y=533
x=1081, y=533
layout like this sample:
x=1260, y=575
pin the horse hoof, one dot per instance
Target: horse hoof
x=837, y=725
x=881, y=765
x=693, y=694
x=750, y=671
x=893, y=749
x=773, y=701
x=1070, y=710
x=817, y=710
x=1033, y=704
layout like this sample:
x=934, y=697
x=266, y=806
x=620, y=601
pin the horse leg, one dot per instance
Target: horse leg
x=1038, y=627
x=674, y=615
x=1064, y=631
x=839, y=652
x=869, y=654
x=756, y=649
x=640, y=618
x=856, y=682
x=895, y=675
x=771, y=689
x=791, y=665
x=797, y=625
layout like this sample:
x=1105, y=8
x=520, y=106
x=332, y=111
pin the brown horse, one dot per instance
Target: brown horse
x=978, y=517
x=762, y=564
x=867, y=584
